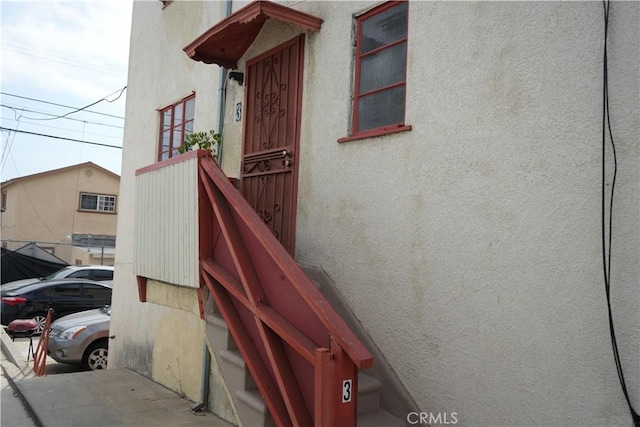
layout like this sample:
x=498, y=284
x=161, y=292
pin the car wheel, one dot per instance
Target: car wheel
x=40, y=319
x=96, y=356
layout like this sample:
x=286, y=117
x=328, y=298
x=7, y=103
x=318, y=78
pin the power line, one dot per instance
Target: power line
x=59, y=137
x=59, y=105
x=90, y=105
x=607, y=229
x=24, y=189
x=15, y=109
x=70, y=63
x=7, y=146
x=68, y=129
x=46, y=54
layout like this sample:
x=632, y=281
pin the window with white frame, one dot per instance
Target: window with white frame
x=97, y=202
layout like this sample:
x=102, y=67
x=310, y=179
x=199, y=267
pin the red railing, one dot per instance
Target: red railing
x=40, y=355
x=302, y=356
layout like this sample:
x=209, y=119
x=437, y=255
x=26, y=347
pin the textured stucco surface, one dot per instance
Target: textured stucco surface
x=162, y=338
x=469, y=247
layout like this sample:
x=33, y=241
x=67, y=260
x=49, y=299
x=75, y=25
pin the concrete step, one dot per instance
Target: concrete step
x=219, y=334
x=368, y=394
x=250, y=404
x=380, y=418
x=253, y=409
x=237, y=374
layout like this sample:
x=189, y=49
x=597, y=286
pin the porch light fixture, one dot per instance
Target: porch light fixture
x=237, y=76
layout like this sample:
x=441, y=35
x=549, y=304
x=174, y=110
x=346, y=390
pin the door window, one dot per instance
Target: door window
x=97, y=292
x=102, y=275
x=80, y=274
x=72, y=290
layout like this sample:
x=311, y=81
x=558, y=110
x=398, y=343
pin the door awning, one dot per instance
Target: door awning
x=226, y=42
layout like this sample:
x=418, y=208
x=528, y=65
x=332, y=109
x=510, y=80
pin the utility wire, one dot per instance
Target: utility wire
x=60, y=137
x=608, y=227
x=118, y=137
x=87, y=106
x=24, y=189
x=52, y=58
x=7, y=147
x=60, y=105
x=16, y=109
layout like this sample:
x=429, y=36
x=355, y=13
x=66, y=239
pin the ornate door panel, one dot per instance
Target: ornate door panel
x=271, y=137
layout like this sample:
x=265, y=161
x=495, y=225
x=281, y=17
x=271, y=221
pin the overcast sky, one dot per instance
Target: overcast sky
x=70, y=53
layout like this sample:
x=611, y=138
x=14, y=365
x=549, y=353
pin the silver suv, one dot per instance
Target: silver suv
x=81, y=338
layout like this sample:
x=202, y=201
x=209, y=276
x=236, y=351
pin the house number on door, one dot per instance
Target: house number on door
x=238, y=111
x=346, y=390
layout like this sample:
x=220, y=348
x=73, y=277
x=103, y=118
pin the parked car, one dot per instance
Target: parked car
x=81, y=338
x=65, y=296
x=91, y=272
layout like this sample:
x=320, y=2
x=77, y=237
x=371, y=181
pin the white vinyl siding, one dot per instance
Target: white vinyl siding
x=166, y=228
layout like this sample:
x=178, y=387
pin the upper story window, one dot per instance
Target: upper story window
x=381, y=70
x=97, y=202
x=4, y=202
x=176, y=121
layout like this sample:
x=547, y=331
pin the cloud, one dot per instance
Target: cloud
x=78, y=48
x=66, y=52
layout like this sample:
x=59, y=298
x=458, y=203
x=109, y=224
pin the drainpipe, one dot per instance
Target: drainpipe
x=204, y=380
x=206, y=356
x=222, y=92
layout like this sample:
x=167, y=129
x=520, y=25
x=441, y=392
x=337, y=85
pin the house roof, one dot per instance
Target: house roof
x=54, y=171
x=226, y=42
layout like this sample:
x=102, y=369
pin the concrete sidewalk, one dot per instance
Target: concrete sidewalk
x=114, y=397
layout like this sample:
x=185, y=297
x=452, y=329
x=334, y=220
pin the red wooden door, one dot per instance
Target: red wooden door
x=271, y=137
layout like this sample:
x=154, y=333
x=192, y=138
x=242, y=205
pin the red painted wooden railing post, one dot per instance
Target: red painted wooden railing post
x=40, y=356
x=344, y=387
x=322, y=388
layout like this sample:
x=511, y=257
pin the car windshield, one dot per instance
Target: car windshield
x=59, y=274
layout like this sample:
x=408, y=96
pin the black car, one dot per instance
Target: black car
x=65, y=296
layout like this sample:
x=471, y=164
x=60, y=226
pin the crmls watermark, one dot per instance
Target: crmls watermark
x=432, y=418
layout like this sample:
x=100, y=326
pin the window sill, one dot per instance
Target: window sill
x=97, y=212
x=376, y=132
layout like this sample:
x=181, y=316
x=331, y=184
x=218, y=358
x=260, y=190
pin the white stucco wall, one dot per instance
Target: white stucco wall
x=469, y=247
x=164, y=337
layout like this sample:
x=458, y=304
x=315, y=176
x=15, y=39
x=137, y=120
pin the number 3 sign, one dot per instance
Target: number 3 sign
x=347, y=390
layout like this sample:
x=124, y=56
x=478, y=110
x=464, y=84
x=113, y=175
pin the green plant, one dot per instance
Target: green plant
x=203, y=140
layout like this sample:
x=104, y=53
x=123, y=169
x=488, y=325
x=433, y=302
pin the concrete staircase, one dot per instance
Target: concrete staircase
x=251, y=408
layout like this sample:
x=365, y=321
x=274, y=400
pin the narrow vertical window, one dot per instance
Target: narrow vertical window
x=176, y=122
x=381, y=69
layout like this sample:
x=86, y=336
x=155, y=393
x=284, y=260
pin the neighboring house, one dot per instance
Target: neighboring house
x=438, y=163
x=71, y=212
